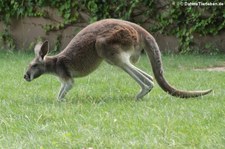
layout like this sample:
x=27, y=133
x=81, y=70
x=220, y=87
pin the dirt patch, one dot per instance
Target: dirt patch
x=218, y=68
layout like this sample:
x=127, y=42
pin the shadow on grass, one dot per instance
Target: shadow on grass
x=84, y=99
x=96, y=99
x=41, y=100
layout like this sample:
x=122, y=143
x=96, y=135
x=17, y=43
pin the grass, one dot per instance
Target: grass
x=100, y=111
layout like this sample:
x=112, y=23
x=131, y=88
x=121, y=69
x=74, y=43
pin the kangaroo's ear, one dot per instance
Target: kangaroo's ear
x=41, y=49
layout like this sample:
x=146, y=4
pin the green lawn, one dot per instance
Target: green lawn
x=100, y=111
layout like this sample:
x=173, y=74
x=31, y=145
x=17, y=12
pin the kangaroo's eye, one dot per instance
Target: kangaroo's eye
x=35, y=65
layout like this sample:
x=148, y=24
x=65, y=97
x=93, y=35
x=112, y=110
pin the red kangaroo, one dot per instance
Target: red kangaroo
x=116, y=41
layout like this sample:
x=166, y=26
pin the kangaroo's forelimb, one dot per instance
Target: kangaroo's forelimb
x=65, y=87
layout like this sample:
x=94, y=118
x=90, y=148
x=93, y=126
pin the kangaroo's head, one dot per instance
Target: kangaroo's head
x=37, y=66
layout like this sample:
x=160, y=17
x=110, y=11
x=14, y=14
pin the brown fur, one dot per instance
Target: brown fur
x=119, y=43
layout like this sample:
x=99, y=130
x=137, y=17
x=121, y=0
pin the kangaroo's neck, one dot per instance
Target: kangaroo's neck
x=50, y=64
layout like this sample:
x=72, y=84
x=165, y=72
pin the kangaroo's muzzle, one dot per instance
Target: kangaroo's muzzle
x=27, y=77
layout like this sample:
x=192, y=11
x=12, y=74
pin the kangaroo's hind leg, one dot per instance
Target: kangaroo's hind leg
x=145, y=74
x=133, y=59
x=145, y=83
x=115, y=55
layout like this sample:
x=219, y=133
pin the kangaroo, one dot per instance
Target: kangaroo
x=116, y=41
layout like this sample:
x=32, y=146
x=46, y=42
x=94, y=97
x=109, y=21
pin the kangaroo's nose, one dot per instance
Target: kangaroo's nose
x=26, y=77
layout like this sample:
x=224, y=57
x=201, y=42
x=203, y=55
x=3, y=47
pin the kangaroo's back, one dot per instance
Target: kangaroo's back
x=80, y=55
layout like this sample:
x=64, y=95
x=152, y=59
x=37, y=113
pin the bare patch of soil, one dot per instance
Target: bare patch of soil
x=217, y=68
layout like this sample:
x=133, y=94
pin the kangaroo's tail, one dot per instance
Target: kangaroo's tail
x=154, y=55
